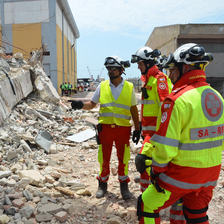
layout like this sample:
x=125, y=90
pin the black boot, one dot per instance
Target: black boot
x=102, y=189
x=124, y=190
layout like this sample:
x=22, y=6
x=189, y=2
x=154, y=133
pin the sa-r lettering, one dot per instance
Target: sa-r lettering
x=202, y=133
x=205, y=132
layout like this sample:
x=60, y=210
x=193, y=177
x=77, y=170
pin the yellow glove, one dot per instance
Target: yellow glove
x=148, y=163
x=147, y=149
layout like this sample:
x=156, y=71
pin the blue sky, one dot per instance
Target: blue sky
x=120, y=27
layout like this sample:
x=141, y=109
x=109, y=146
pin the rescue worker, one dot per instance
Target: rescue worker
x=66, y=89
x=82, y=86
x=69, y=88
x=75, y=88
x=118, y=106
x=62, y=87
x=157, y=92
x=159, y=61
x=156, y=87
x=186, y=149
x=78, y=87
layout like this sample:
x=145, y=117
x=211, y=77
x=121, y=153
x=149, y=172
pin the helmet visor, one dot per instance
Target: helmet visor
x=109, y=61
x=136, y=58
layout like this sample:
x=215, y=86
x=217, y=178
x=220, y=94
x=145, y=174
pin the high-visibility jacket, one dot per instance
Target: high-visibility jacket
x=157, y=87
x=189, y=141
x=69, y=86
x=62, y=86
x=115, y=111
x=66, y=86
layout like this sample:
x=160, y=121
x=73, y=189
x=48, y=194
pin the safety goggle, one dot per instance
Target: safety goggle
x=112, y=68
x=136, y=58
x=110, y=61
x=155, y=53
x=195, y=52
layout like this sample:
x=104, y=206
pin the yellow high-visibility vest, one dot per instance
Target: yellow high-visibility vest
x=115, y=111
x=152, y=104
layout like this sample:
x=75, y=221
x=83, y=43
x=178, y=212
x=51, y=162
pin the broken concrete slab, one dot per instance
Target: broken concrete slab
x=82, y=136
x=44, y=139
x=44, y=86
x=50, y=208
x=35, y=177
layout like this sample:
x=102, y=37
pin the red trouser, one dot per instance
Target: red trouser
x=120, y=135
x=176, y=210
x=195, y=205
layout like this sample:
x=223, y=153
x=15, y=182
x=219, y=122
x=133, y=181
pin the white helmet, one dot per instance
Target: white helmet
x=115, y=61
x=160, y=59
x=145, y=53
x=189, y=54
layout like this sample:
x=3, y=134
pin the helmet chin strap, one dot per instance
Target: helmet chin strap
x=180, y=69
x=114, y=77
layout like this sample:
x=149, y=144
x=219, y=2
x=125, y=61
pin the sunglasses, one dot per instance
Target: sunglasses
x=112, y=68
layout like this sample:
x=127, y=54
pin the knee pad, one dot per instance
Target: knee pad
x=195, y=211
x=141, y=213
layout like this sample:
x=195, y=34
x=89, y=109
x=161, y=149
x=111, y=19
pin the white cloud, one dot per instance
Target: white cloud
x=144, y=15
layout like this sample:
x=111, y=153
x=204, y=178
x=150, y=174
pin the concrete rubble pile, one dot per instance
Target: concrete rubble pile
x=33, y=187
x=36, y=185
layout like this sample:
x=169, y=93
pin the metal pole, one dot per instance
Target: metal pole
x=63, y=69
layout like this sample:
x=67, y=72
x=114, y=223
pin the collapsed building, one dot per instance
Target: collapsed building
x=41, y=171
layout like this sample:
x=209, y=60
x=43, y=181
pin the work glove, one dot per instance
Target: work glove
x=140, y=129
x=142, y=162
x=77, y=104
x=136, y=136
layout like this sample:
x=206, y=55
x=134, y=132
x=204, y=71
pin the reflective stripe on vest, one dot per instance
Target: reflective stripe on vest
x=115, y=112
x=151, y=104
x=117, y=105
x=149, y=128
x=187, y=146
x=115, y=115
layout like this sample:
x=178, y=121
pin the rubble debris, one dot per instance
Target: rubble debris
x=64, y=190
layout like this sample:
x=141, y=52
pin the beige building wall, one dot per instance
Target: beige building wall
x=26, y=37
x=211, y=36
x=164, y=38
